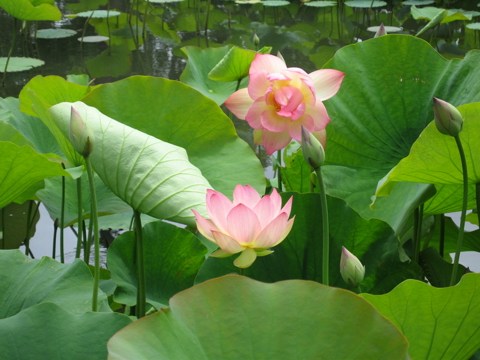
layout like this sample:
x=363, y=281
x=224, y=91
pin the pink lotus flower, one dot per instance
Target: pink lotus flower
x=280, y=100
x=249, y=225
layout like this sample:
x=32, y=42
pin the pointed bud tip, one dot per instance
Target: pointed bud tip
x=448, y=119
x=312, y=149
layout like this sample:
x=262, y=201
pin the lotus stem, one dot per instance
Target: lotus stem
x=62, y=221
x=325, y=228
x=141, y=293
x=96, y=240
x=79, y=218
x=417, y=231
x=461, y=229
x=441, y=246
x=477, y=200
x=279, y=172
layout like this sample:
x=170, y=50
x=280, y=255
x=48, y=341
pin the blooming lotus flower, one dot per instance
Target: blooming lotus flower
x=280, y=100
x=249, y=224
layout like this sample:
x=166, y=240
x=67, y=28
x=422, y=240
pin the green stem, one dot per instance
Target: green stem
x=441, y=245
x=79, y=218
x=279, y=170
x=461, y=230
x=325, y=228
x=62, y=221
x=94, y=219
x=141, y=294
x=477, y=200
x=417, y=231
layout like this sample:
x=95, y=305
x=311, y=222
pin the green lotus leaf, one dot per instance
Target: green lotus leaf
x=234, y=66
x=321, y=3
x=383, y=105
x=234, y=317
x=175, y=113
x=16, y=64
x=366, y=4
x=54, y=333
x=22, y=171
x=442, y=15
x=438, y=322
x=152, y=176
x=13, y=222
x=97, y=14
x=32, y=10
x=172, y=259
x=275, y=3
x=54, y=33
x=26, y=282
x=434, y=159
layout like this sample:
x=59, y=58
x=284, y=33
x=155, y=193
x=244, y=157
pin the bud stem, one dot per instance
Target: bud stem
x=325, y=228
x=461, y=230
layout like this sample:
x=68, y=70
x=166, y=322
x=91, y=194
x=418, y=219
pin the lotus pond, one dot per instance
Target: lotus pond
x=281, y=172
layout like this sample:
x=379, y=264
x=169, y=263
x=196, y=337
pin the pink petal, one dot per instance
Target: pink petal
x=246, y=195
x=319, y=115
x=226, y=243
x=273, y=141
x=266, y=211
x=272, y=122
x=256, y=111
x=218, y=207
x=291, y=101
x=288, y=206
x=261, y=67
x=326, y=82
x=243, y=224
x=239, y=103
x=258, y=85
x=275, y=232
x=204, y=226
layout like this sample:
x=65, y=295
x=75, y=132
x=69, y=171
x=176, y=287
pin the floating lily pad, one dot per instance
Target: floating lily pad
x=247, y=2
x=473, y=26
x=54, y=33
x=163, y=1
x=388, y=29
x=97, y=14
x=365, y=4
x=275, y=3
x=93, y=39
x=320, y=3
x=418, y=2
x=16, y=64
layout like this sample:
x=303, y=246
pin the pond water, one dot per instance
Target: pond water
x=147, y=37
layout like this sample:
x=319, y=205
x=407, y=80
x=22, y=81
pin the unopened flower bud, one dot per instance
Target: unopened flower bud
x=351, y=268
x=80, y=136
x=448, y=119
x=312, y=149
x=256, y=40
x=381, y=31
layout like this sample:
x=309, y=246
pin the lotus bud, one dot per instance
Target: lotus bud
x=80, y=136
x=351, y=268
x=312, y=149
x=381, y=31
x=448, y=119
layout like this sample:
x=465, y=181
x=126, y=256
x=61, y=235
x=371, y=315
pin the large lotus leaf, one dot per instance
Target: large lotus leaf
x=172, y=258
x=39, y=94
x=26, y=282
x=299, y=256
x=51, y=196
x=234, y=317
x=34, y=130
x=384, y=103
x=152, y=176
x=47, y=331
x=439, y=323
x=174, y=112
x=200, y=63
x=22, y=171
x=17, y=222
x=234, y=66
x=434, y=159
x=31, y=10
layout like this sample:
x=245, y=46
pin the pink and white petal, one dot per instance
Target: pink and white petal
x=218, y=207
x=256, y=111
x=246, y=259
x=321, y=136
x=275, y=200
x=287, y=208
x=243, y=224
x=319, y=116
x=245, y=194
x=239, y=103
x=204, y=226
x=266, y=211
x=273, y=141
x=266, y=63
x=326, y=82
x=258, y=84
x=270, y=121
x=227, y=243
x=275, y=232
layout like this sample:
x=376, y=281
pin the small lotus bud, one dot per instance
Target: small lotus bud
x=312, y=149
x=351, y=268
x=381, y=31
x=448, y=119
x=256, y=40
x=80, y=136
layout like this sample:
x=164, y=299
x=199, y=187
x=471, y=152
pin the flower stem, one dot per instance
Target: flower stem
x=461, y=229
x=417, y=231
x=141, y=294
x=96, y=240
x=325, y=228
x=80, y=218
x=62, y=221
x=279, y=172
x=477, y=200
